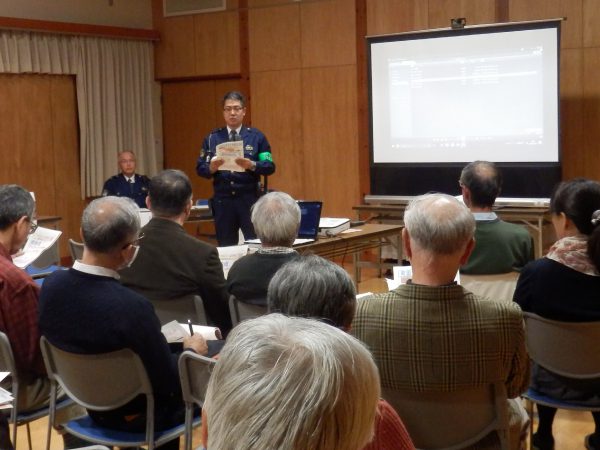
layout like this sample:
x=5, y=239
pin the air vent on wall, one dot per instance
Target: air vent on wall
x=182, y=7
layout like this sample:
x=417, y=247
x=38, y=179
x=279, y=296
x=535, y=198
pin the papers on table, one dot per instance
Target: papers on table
x=6, y=397
x=229, y=151
x=229, y=255
x=37, y=243
x=175, y=331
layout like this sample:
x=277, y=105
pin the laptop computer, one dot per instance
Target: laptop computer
x=310, y=215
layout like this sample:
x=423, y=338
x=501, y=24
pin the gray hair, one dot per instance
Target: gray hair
x=439, y=223
x=15, y=202
x=286, y=383
x=276, y=219
x=311, y=286
x=108, y=222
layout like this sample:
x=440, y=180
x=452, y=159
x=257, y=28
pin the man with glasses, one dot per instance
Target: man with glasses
x=235, y=192
x=86, y=310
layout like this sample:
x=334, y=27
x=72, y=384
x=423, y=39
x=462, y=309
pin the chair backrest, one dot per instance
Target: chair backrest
x=499, y=287
x=7, y=364
x=194, y=372
x=452, y=420
x=569, y=349
x=100, y=381
x=181, y=309
x=240, y=311
x=76, y=249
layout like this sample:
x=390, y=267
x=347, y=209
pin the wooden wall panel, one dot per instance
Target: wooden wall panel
x=571, y=113
x=188, y=116
x=591, y=18
x=274, y=38
x=39, y=146
x=323, y=44
x=277, y=111
x=329, y=114
x=174, y=54
x=396, y=16
x=65, y=143
x=571, y=29
x=591, y=112
x=217, y=43
x=475, y=11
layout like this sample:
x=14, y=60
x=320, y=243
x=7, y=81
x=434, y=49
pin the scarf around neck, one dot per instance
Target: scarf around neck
x=571, y=251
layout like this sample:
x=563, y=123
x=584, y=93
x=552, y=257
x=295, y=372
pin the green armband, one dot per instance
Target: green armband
x=265, y=156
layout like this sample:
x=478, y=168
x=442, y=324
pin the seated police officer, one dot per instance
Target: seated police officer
x=127, y=183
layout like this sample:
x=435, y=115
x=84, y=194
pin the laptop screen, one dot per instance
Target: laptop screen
x=310, y=214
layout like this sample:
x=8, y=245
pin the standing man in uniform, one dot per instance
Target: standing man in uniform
x=235, y=192
x=127, y=183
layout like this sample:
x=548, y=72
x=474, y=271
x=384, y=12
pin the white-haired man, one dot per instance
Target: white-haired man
x=432, y=334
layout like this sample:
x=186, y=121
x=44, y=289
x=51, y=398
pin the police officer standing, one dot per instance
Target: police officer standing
x=235, y=192
x=127, y=183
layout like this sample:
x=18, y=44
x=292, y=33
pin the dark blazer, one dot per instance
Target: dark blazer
x=171, y=263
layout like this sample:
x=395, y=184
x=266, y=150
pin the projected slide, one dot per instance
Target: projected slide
x=488, y=96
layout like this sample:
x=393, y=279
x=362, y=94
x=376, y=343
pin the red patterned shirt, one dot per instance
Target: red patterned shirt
x=19, y=316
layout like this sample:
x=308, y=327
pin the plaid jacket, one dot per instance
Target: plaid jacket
x=443, y=338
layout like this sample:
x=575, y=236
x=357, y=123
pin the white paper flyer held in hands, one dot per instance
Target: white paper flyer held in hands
x=229, y=151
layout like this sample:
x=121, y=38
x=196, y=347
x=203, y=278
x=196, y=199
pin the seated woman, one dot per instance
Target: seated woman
x=291, y=384
x=565, y=286
x=311, y=286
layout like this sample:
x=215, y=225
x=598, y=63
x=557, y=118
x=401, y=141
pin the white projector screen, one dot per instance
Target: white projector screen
x=465, y=95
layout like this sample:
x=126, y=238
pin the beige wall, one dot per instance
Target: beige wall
x=122, y=13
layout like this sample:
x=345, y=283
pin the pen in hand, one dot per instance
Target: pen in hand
x=190, y=325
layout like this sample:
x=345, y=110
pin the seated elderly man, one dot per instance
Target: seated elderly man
x=313, y=287
x=171, y=263
x=291, y=384
x=127, y=183
x=86, y=310
x=432, y=334
x=500, y=247
x=276, y=219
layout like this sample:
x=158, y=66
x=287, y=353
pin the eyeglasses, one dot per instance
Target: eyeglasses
x=33, y=226
x=135, y=243
x=233, y=108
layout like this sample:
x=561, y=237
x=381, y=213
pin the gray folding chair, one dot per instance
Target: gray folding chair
x=103, y=382
x=568, y=349
x=18, y=418
x=181, y=309
x=194, y=372
x=76, y=249
x=240, y=311
x=454, y=420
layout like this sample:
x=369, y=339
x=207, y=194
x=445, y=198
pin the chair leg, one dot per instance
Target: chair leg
x=28, y=435
x=530, y=413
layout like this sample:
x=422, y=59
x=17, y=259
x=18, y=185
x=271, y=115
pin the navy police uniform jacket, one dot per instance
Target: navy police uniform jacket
x=227, y=183
x=120, y=187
